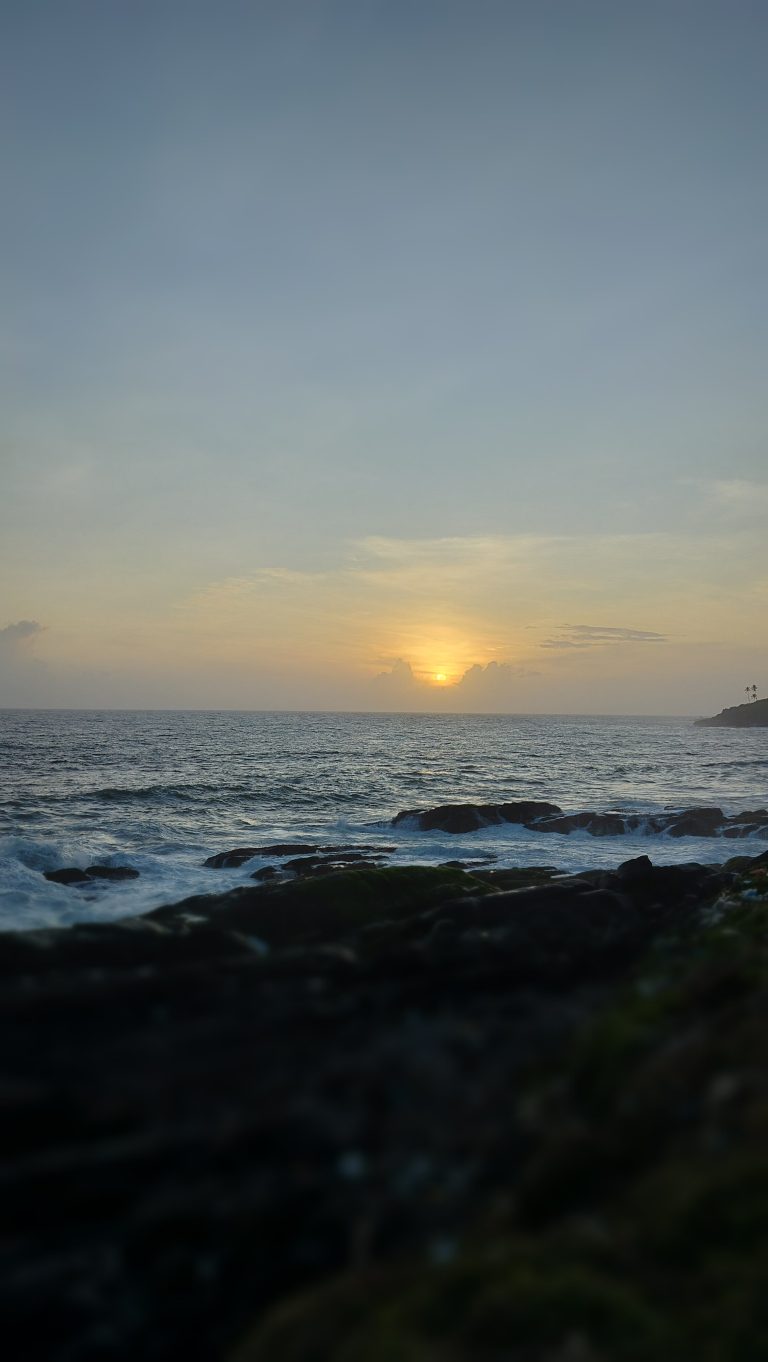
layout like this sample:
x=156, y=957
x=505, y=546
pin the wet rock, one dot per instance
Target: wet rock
x=239, y=855
x=228, y=860
x=68, y=875
x=316, y=908
x=755, y=821
x=543, y=817
x=314, y=865
x=365, y=848
x=112, y=872
x=458, y=818
x=267, y=872
x=639, y=869
x=598, y=824
x=696, y=823
x=285, y=849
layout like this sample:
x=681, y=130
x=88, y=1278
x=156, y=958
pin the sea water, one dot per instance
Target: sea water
x=162, y=790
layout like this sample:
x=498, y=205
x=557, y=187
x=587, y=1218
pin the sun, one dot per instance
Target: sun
x=440, y=678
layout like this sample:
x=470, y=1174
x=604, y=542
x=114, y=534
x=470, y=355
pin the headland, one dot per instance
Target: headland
x=754, y=714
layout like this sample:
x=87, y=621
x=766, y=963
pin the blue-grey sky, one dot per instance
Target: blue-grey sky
x=295, y=290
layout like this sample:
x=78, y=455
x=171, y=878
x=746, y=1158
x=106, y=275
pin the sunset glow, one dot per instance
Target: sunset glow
x=357, y=394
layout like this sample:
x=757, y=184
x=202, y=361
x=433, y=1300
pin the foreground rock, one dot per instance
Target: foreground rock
x=637, y=1226
x=752, y=715
x=543, y=817
x=393, y=1104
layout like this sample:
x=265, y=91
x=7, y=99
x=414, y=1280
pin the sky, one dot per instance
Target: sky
x=363, y=354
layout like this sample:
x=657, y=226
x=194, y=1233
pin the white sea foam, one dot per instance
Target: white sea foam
x=28, y=900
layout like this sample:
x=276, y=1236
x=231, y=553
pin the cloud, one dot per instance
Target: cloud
x=23, y=677
x=480, y=688
x=738, y=497
x=14, y=636
x=494, y=677
x=600, y=636
x=399, y=676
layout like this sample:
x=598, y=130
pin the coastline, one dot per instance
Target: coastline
x=754, y=714
x=49, y=884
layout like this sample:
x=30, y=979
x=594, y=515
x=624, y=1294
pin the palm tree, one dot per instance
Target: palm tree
x=754, y=692
x=747, y=692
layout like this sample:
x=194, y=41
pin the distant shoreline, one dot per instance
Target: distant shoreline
x=753, y=714
x=383, y=713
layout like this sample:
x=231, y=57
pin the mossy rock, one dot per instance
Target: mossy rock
x=664, y=1154
x=516, y=877
x=478, y=1310
x=329, y=907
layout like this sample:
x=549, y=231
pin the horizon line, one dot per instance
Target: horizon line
x=395, y=713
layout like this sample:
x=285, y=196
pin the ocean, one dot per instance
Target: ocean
x=160, y=791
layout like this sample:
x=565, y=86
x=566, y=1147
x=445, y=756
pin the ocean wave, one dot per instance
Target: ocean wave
x=749, y=763
x=142, y=793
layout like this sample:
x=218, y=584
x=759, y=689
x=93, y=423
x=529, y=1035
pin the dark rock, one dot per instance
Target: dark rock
x=267, y=872
x=226, y=860
x=128, y=944
x=598, y=824
x=196, y=1129
x=458, y=818
x=69, y=875
x=285, y=849
x=542, y=817
x=310, y=865
x=311, y=909
x=746, y=824
x=517, y=877
x=696, y=823
x=112, y=872
x=239, y=855
x=365, y=848
x=640, y=868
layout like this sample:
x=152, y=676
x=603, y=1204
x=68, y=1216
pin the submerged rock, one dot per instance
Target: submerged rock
x=239, y=855
x=225, y=860
x=68, y=875
x=74, y=875
x=598, y=824
x=695, y=823
x=112, y=872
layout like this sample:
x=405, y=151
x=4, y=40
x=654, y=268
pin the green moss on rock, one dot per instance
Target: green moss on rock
x=327, y=907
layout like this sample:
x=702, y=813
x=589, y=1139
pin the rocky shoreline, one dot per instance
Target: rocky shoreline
x=539, y=816
x=754, y=714
x=291, y=859
x=402, y=1113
